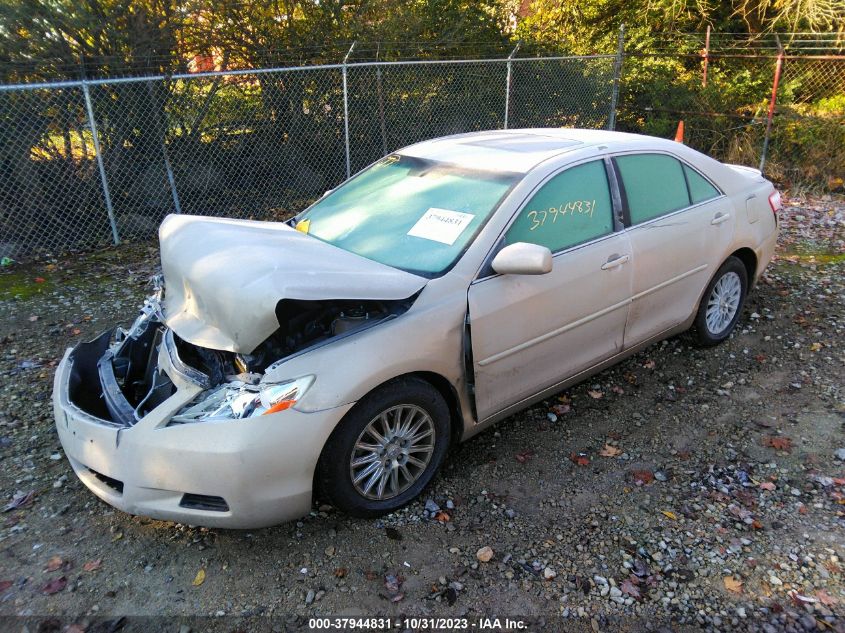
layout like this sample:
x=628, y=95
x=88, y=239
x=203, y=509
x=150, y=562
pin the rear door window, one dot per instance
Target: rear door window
x=654, y=185
x=571, y=208
x=700, y=188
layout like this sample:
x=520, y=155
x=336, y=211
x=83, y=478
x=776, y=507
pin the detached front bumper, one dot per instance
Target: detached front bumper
x=245, y=473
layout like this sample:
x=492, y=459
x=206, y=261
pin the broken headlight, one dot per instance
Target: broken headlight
x=237, y=400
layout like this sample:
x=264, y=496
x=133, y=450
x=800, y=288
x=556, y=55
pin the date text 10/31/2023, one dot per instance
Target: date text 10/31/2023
x=417, y=624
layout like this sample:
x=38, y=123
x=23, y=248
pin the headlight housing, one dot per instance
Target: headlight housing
x=237, y=400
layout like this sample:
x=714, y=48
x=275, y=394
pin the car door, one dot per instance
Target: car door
x=530, y=332
x=680, y=226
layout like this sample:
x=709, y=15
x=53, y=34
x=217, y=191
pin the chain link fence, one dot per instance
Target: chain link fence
x=87, y=163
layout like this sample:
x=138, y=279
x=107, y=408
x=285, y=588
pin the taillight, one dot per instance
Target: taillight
x=775, y=202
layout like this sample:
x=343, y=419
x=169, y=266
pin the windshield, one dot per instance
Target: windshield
x=410, y=213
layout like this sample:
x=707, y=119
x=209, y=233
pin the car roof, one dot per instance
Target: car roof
x=521, y=150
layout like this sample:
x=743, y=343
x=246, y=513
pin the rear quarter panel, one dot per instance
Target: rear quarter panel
x=756, y=226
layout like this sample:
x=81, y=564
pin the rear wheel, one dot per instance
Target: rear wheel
x=386, y=450
x=721, y=305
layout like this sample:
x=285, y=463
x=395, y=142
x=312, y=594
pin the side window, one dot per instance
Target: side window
x=699, y=188
x=654, y=185
x=571, y=208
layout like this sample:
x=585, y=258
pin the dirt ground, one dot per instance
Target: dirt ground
x=684, y=488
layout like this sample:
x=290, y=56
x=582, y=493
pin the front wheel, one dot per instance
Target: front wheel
x=721, y=305
x=386, y=450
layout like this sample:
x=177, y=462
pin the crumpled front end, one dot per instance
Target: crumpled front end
x=158, y=427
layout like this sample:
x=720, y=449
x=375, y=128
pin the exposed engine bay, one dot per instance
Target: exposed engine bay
x=116, y=376
x=302, y=325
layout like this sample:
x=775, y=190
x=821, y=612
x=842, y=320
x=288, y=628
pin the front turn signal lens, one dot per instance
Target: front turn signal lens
x=280, y=406
x=278, y=397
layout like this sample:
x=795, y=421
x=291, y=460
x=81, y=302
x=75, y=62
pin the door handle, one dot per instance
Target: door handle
x=615, y=261
x=720, y=217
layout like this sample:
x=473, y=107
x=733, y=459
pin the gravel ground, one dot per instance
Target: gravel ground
x=685, y=487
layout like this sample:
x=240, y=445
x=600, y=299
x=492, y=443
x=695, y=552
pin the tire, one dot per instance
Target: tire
x=717, y=317
x=404, y=403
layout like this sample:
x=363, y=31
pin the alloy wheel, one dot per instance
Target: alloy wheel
x=392, y=452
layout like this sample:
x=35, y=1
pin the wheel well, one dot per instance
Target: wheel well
x=444, y=387
x=449, y=395
x=749, y=259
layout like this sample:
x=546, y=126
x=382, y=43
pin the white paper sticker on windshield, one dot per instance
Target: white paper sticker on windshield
x=441, y=225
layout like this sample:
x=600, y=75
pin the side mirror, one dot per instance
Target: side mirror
x=523, y=258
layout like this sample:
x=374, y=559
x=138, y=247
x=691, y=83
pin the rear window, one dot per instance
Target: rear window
x=654, y=185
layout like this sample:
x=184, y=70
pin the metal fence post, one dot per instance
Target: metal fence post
x=381, y=122
x=508, y=83
x=96, y=139
x=617, y=73
x=772, y=101
x=346, y=111
x=170, y=179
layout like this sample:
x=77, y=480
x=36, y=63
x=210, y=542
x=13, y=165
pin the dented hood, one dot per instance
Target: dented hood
x=224, y=278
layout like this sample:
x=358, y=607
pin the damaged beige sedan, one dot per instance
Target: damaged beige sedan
x=443, y=288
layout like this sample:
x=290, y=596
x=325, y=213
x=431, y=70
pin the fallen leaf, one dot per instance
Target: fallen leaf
x=199, y=578
x=92, y=565
x=669, y=514
x=117, y=537
x=485, y=554
x=799, y=599
x=561, y=409
x=20, y=500
x=815, y=347
x=642, y=477
x=649, y=364
x=54, y=563
x=825, y=598
x=610, y=451
x=619, y=391
x=595, y=394
x=630, y=589
x=40, y=280
x=580, y=458
x=732, y=584
x=779, y=443
x=76, y=331
x=5, y=584
x=524, y=456
x=54, y=586
x=341, y=572
x=443, y=517
x=767, y=485
x=393, y=584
